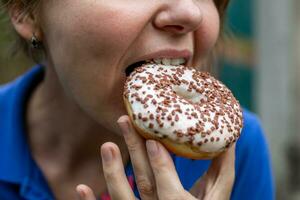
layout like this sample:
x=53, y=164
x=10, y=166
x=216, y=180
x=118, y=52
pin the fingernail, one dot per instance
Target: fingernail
x=124, y=125
x=81, y=192
x=107, y=154
x=152, y=147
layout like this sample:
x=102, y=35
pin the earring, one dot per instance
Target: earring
x=35, y=42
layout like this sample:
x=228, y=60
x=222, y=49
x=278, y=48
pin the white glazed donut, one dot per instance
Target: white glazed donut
x=190, y=112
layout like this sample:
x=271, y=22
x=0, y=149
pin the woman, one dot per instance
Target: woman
x=55, y=117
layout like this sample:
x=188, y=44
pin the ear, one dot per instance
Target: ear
x=24, y=23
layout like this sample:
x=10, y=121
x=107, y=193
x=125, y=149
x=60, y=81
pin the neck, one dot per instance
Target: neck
x=60, y=132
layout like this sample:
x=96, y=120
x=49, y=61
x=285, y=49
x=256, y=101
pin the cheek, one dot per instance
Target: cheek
x=208, y=33
x=99, y=32
x=86, y=49
x=88, y=35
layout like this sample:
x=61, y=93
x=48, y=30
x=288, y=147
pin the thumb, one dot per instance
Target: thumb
x=218, y=181
x=85, y=192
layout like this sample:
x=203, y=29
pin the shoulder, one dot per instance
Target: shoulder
x=251, y=125
x=252, y=144
x=14, y=166
x=8, y=90
x=252, y=151
x=250, y=119
x=254, y=178
x=7, y=93
x=13, y=91
x=252, y=137
x=13, y=99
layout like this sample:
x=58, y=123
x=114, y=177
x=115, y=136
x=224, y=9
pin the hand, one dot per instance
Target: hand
x=155, y=173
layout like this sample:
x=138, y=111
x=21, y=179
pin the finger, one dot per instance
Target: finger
x=167, y=181
x=116, y=181
x=225, y=162
x=136, y=146
x=218, y=180
x=85, y=192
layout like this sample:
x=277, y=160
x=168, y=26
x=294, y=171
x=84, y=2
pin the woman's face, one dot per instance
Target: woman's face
x=90, y=43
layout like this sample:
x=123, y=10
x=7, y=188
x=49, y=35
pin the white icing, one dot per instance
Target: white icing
x=222, y=137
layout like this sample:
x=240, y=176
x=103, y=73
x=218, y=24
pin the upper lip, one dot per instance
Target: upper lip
x=166, y=53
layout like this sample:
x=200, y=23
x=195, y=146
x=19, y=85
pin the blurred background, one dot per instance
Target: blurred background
x=259, y=62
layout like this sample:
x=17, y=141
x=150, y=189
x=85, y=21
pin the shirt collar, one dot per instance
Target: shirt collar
x=16, y=164
x=15, y=156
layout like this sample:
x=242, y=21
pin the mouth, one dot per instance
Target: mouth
x=161, y=61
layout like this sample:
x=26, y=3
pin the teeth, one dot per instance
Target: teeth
x=178, y=61
x=166, y=61
x=170, y=61
x=157, y=61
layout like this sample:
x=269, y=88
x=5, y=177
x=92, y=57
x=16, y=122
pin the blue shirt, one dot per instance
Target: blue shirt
x=21, y=178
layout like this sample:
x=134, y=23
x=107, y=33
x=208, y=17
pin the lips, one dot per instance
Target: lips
x=165, y=57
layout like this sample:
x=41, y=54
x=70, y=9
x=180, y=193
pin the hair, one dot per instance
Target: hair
x=29, y=6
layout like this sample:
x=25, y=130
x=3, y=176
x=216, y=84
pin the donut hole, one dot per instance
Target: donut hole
x=190, y=96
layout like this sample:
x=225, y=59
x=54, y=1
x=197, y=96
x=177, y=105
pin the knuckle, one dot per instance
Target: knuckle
x=145, y=186
x=133, y=145
x=111, y=175
x=160, y=165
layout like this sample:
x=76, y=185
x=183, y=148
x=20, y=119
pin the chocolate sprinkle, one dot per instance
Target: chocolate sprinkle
x=216, y=117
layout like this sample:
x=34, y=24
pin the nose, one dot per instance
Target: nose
x=179, y=16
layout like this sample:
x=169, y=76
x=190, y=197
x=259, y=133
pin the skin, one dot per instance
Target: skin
x=88, y=46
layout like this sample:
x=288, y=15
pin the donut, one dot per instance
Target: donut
x=190, y=112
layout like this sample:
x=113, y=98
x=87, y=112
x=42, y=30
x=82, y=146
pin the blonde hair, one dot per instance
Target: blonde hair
x=29, y=6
